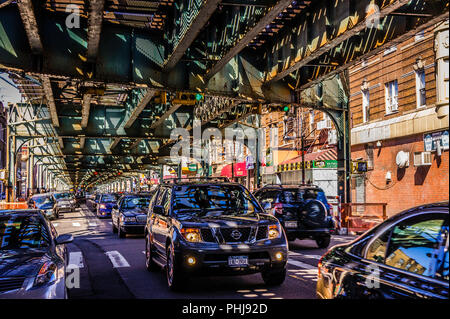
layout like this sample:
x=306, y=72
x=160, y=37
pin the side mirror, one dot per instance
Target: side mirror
x=159, y=210
x=64, y=239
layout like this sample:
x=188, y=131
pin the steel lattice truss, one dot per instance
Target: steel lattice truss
x=103, y=82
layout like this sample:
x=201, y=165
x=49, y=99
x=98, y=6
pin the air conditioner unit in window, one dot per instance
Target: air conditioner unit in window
x=422, y=158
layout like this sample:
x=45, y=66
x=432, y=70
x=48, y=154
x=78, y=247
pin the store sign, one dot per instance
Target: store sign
x=431, y=141
x=308, y=165
x=249, y=162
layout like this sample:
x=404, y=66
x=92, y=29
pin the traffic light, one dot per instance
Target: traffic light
x=279, y=108
x=186, y=98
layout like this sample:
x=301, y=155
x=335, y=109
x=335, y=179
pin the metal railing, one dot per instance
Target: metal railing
x=360, y=217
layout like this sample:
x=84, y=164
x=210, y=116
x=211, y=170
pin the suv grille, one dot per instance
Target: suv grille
x=207, y=235
x=230, y=234
x=11, y=283
x=262, y=233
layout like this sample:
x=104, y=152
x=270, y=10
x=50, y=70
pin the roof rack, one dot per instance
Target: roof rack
x=175, y=180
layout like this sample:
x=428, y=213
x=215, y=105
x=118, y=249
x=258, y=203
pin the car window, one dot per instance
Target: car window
x=291, y=196
x=109, y=198
x=160, y=198
x=442, y=262
x=377, y=249
x=18, y=231
x=135, y=202
x=167, y=201
x=268, y=196
x=413, y=244
x=213, y=200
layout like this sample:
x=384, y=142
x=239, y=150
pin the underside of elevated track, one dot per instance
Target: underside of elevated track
x=106, y=81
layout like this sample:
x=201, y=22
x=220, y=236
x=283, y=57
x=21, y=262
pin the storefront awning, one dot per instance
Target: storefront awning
x=322, y=159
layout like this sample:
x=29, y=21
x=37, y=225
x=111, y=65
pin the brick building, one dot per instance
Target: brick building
x=399, y=112
x=283, y=158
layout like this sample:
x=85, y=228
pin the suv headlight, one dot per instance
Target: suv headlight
x=274, y=231
x=128, y=219
x=47, y=274
x=191, y=234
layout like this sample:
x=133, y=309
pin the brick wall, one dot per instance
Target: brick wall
x=410, y=186
x=397, y=65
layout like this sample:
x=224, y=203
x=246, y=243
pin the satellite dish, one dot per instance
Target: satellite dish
x=402, y=159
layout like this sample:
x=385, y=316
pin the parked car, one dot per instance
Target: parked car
x=33, y=256
x=65, y=203
x=105, y=205
x=303, y=211
x=212, y=227
x=46, y=203
x=406, y=256
x=130, y=214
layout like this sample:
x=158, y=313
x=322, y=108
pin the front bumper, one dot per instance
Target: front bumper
x=133, y=228
x=55, y=290
x=66, y=209
x=104, y=213
x=213, y=260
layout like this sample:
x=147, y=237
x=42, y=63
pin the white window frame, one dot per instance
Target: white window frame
x=365, y=105
x=391, y=96
x=420, y=88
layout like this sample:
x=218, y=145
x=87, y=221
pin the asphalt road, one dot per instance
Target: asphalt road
x=115, y=268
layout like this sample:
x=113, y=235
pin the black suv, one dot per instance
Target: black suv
x=212, y=227
x=302, y=210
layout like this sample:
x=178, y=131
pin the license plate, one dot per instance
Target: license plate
x=237, y=261
x=290, y=224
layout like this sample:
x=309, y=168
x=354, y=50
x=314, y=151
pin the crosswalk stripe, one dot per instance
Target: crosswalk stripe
x=304, y=255
x=300, y=264
x=117, y=259
x=76, y=259
x=92, y=224
x=76, y=224
x=55, y=224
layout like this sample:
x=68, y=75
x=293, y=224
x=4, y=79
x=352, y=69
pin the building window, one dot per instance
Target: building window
x=420, y=87
x=391, y=93
x=274, y=137
x=365, y=105
x=446, y=72
x=311, y=121
x=390, y=50
x=419, y=36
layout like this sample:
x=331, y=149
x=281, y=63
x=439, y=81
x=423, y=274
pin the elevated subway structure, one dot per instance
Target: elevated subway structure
x=103, y=96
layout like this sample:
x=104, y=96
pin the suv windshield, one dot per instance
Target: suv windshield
x=18, y=231
x=60, y=196
x=135, y=202
x=213, y=200
x=110, y=198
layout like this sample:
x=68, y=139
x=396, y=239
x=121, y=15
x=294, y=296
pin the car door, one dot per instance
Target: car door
x=156, y=228
x=115, y=213
x=403, y=261
x=165, y=220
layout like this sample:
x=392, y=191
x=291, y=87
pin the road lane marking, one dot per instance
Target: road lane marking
x=117, y=259
x=76, y=224
x=76, y=259
x=55, y=224
x=300, y=264
x=92, y=224
x=305, y=255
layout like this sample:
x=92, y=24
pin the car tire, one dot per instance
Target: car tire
x=274, y=278
x=323, y=241
x=149, y=262
x=120, y=233
x=175, y=279
x=114, y=228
